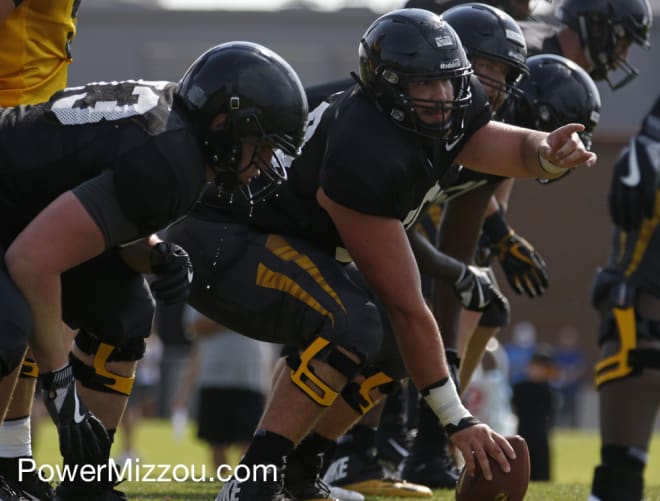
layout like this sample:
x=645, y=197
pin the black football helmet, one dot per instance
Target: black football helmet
x=601, y=24
x=408, y=45
x=557, y=92
x=491, y=33
x=262, y=97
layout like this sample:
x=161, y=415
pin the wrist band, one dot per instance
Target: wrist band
x=444, y=401
x=548, y=166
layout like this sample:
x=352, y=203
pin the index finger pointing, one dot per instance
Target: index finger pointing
x=560, y=135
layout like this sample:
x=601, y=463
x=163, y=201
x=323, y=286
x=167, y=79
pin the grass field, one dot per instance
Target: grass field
x=575, y=454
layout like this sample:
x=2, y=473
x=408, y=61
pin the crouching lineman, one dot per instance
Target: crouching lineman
x=371, y=160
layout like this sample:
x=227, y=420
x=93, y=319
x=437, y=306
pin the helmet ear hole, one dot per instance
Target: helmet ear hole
x=242, y=89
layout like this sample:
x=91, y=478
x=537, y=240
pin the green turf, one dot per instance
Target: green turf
x=575, y=454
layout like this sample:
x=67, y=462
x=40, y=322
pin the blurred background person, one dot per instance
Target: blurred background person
x=534, y=403
x=230, y=375
x=571, y=361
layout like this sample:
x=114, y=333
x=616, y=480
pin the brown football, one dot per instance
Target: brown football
x=510, y=486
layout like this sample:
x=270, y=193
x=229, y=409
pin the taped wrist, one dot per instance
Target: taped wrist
x=444, y=401
x=548, y=167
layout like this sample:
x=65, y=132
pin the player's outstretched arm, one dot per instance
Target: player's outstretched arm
x=511, y=151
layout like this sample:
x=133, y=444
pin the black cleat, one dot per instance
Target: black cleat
x=360, y=471
x=436, y=469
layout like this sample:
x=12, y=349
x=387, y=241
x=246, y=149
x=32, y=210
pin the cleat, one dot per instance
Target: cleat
x=303, y=482
x=360, y=471
x=438, y=471
x=9, y=492
x=344, y=494
x=33, y=488
x=250, y=490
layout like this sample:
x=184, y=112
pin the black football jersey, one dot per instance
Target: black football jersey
x=133, y=129
x=363, y=161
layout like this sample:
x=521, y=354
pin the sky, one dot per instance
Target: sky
x=543, y=6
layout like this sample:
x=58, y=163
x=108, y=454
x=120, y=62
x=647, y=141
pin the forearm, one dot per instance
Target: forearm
x=432, y=262
x=420, y=346
x=137, y=255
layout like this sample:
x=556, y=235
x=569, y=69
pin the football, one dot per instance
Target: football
x=510, y=486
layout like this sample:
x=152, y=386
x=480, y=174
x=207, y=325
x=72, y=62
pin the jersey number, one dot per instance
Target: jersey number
x=85, y=107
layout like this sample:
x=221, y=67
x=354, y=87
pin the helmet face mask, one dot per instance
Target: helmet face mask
x=409, y=46
x=261, y=98
x=606, y=28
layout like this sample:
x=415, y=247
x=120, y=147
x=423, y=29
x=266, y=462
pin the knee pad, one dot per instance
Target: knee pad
x=620, y=476
x=29, y=369
x=98, y=377
x=629, y=360
x=357, y=395
x=304, y=377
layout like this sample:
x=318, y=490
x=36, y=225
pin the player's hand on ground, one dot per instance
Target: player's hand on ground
x=479, y=442
x=563, y=148
x=174, y=273
x=83, y=438
x=524, y=268
x=476, y=291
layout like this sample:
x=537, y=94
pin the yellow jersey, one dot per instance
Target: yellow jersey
x=35, y=50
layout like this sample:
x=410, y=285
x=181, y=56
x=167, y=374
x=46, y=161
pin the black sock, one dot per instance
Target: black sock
x=267, y=448
x=314, y=445
x=430, y=434
x=9, y=467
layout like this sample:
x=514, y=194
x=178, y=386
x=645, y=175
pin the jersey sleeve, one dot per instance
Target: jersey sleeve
x=159, y=181
x=362, y=165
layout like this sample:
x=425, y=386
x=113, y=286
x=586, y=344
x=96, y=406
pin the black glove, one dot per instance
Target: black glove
x=83, y=438
x=174, y=273
x=476, y=291
x=634, y=184
x=524, y=268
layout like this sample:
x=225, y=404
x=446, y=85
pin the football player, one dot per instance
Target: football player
x=371, y=160
x=626, y=294
x=30, y=73
x=596, y=34
x=80, y=181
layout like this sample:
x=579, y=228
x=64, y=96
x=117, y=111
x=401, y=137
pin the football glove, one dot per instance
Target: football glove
x=635, y=183
x=174, y=273
x=83, y=438
x=476, y=291
x=524, y=268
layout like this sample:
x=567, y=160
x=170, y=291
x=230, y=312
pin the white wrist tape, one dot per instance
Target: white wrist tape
x=548, y=166
x=446, y=404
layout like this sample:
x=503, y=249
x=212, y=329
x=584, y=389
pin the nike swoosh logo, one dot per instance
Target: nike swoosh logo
x=450, y=146
x=190, y=276
x=633, y=177
x=77, y=416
